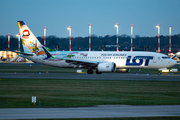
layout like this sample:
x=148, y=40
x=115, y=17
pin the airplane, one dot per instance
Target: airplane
x=177, y=55
x=102, y=61
x=5, y=55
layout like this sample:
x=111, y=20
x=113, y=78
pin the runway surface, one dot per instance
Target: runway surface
x=104, y=76
x=106, y=111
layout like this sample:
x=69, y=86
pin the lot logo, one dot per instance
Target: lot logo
x=138, y=60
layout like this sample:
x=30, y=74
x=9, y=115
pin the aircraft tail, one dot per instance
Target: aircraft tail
x=30, y=43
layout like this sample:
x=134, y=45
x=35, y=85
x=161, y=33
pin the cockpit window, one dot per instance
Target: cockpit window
x=165, y=57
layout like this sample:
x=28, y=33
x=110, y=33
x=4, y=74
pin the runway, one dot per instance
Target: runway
x=104, y=111
x=104, y=76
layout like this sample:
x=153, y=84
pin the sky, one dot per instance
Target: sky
x=57, y=15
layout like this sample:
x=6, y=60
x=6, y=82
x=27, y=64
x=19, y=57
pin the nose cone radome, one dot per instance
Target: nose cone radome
x=173, y=62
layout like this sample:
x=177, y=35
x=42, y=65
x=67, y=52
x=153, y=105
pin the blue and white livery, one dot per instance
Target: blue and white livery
x=102, y=61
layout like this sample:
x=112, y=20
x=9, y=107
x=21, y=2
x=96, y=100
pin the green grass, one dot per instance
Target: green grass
x=36, y=69
x=17, y=93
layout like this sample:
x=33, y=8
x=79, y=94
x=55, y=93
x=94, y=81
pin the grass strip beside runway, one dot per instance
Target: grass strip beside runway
x=17, y=93
x=35, y=69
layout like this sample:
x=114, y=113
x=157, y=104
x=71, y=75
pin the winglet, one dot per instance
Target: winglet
x=47, y=53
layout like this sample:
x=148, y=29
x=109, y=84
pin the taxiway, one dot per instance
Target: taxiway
x=104, y=111
x=104, y=76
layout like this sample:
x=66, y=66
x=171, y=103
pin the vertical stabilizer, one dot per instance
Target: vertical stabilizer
x=30, y=43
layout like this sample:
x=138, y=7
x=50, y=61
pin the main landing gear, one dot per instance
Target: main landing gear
x=90, y=71
x=97, y=72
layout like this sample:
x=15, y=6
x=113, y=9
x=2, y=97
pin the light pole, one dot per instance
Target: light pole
x=158, y=26
x=45, y=36
x=9, y=41
x=18, y=35
x=117, y=35
x=90, y=37
x=131, y=37
x=170, y=41
x=69, y=28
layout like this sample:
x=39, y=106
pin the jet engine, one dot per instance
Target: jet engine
x=106, y=67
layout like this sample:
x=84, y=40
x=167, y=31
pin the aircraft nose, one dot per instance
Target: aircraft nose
x=173, y=62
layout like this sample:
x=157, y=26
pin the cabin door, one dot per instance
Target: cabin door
x=155, y=59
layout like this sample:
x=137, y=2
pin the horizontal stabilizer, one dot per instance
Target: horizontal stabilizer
x=27, y=54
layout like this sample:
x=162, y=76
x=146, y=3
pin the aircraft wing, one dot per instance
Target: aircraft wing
x=83, y=63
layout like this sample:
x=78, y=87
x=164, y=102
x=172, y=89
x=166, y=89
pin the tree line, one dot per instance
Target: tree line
x=99, y=43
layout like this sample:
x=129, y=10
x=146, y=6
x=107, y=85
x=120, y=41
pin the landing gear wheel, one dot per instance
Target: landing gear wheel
x=159, y=73
x=97, y=72
x=90, y=71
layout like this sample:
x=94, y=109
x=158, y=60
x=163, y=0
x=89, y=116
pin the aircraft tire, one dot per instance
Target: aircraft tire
x=90, y=71
x=159, y=73
x=97, y=72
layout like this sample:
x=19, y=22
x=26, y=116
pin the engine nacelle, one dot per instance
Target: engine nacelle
x=122, y=70
x=107, y=67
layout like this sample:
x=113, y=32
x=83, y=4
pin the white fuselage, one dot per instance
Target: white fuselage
x=122, y=59
x=7, y=55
